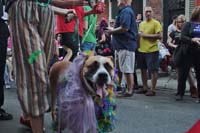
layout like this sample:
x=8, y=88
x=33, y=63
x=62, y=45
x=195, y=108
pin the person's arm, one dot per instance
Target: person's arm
x=86, y=18
x=151, y=36
x=117, y=30
x=61, y=11
x=65, y=3
x=98, y=8
x=157, y=34
x=186, y=35
x=170, y=41
x=103, y=38
x=125, y=22
x=86, y=26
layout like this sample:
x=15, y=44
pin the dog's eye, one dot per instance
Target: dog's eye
x=94, y=65
x=108, y=66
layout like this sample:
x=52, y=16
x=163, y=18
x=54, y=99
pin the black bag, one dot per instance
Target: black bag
x=177, y=56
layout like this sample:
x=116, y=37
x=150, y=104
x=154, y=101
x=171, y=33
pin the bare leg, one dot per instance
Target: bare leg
x=130, y=82
x=193, y=89
x=37, y=124
x=191, y=79
x=154, y=80
x=144, y=78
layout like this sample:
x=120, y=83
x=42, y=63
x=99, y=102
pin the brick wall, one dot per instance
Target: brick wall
x=157, y=8
x=197, y=2
x=105, y=14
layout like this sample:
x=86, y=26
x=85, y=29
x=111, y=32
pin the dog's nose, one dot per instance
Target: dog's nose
x=103, y=75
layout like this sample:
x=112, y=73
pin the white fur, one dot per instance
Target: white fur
x=101, y=69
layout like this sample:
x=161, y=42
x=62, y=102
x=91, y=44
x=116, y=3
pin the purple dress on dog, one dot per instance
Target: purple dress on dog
x=76, y=110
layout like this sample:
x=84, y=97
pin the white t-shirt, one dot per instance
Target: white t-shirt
x=5, y=15
x=171, y=28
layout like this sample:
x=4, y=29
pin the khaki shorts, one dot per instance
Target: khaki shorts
x=125, y=61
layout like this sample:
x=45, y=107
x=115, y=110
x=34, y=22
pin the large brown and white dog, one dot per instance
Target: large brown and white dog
x=94, y=73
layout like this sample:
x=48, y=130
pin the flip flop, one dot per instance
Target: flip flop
x=126, y=95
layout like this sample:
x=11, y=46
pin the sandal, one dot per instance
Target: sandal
x=150, y=93
x=24, y=122
x=126, y=94
x=4, y=115
x=140, y=91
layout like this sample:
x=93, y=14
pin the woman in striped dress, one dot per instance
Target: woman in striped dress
x=32, y=30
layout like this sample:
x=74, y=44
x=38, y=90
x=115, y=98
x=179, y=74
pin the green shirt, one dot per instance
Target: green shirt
x=89, y=34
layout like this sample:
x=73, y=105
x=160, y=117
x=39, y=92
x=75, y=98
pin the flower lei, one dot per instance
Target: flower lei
x=106, y=114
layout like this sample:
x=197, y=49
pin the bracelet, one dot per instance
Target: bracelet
x=43, y=4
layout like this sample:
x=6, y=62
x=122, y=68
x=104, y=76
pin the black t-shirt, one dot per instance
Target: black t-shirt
x=176, y=37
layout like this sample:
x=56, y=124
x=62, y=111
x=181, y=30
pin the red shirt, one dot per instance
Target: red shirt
x=62, y=27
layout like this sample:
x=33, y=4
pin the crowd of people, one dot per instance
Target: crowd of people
x=133, y=42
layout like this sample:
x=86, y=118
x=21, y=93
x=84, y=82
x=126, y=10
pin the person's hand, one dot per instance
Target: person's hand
x=108, y=29
x=141, y=34
x=70, y=15
x=71, y=11
x=196, y=40
x=99, y=7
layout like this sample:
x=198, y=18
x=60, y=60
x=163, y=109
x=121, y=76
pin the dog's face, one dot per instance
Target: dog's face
x=98, y=70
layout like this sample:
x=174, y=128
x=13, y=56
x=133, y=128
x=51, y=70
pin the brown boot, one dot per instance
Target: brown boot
x=193, y=91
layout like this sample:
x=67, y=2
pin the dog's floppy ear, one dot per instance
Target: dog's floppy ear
x=112, y=59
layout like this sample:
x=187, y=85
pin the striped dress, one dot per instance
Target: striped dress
x=32, y=30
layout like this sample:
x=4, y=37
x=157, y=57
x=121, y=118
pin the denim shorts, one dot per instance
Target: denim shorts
x=148, y=61
x=88, y=46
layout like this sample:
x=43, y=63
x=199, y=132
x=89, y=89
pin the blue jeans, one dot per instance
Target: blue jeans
x=88, y=46
x=7, y=76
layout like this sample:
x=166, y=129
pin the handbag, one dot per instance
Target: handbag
x=178, y=55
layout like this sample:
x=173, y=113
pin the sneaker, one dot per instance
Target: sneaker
x=8, y=86
x=4, y=115
x=198, y=101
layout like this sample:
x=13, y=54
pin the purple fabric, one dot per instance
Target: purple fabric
x=76, y=107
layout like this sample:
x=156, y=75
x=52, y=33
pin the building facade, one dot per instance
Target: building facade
x=197, y=2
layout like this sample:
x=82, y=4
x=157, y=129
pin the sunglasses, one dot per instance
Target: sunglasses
x=180, y=21
x=148, y=11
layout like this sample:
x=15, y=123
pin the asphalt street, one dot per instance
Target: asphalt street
x=137, y=114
